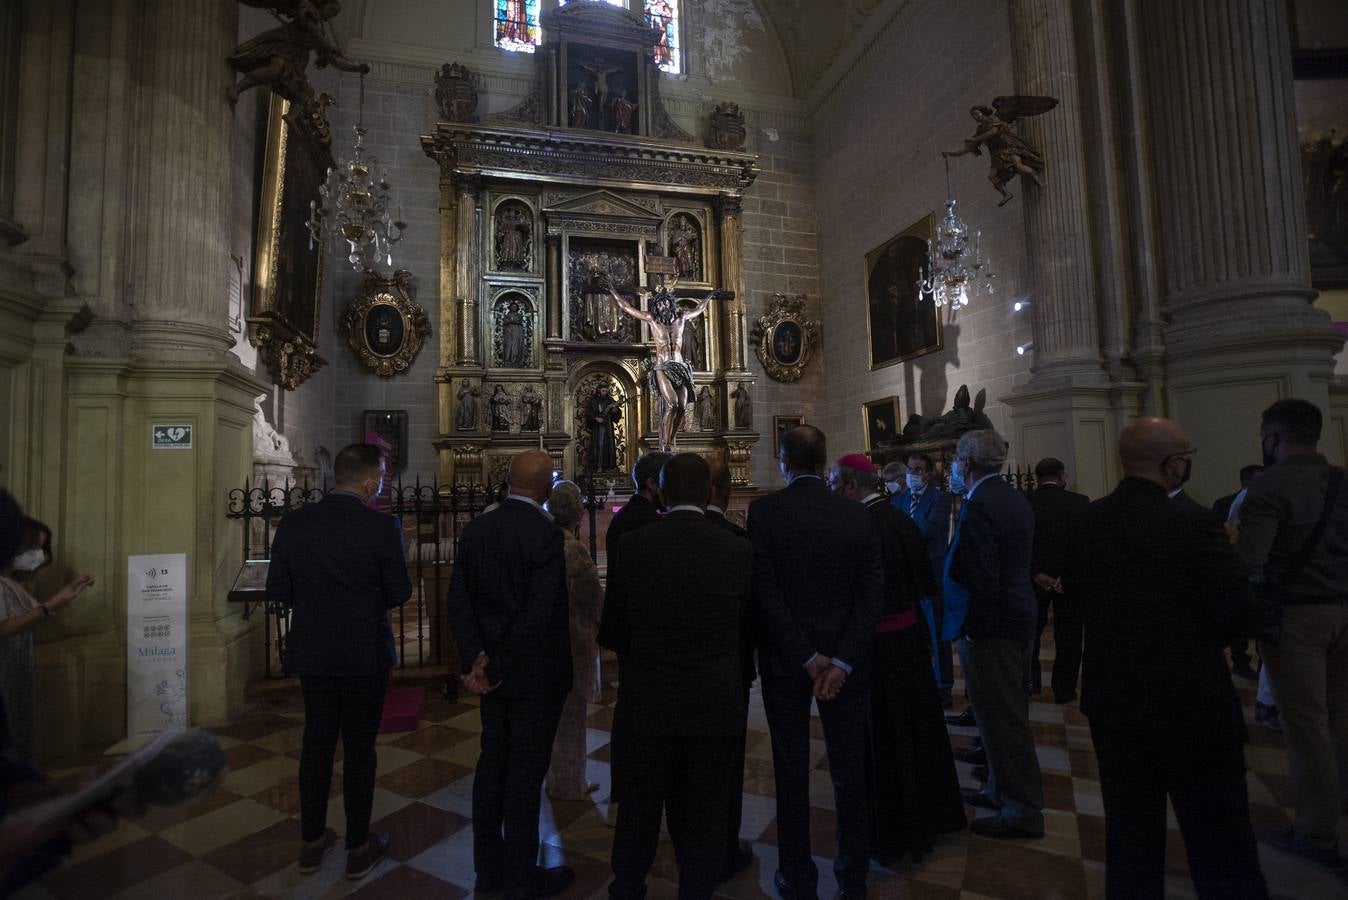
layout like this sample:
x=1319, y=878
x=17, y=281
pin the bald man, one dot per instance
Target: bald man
x=508, y=610
x=1162, y=592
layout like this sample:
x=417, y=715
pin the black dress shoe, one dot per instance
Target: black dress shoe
x=1002, y=829
x=1064, y=699
x=975, y=797
x=977, y=757
x=360, y=862
x=963, y=720
x=979, y=773
x=787, y=892
x=738, y=860
x=546, y=883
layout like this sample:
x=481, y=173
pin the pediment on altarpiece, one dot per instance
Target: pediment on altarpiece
x=601, y=204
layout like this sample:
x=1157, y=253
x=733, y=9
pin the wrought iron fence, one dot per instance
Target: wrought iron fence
x=431, y=517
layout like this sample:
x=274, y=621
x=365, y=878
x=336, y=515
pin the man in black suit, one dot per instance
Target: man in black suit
x=818, y=589
x=339, y=567
x=642, y=509
x=739, y=855
x=1222, y=508
x=991, y=560
x=1162, y=591
x=681, y=678
x=1054, y=509
x=508, y=609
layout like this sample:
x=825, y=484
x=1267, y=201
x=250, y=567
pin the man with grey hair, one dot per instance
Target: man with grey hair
x=991, y=560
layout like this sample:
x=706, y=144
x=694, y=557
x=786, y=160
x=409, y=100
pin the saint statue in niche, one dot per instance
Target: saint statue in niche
x=500, y=409
x=621, y=111
x=697, y=344
x=532, y=406
x=744, y=411
x=683, y=246
x=602, y=414
x=601, y=316
x=706, y=409
x=468, y=394
x=514, y=353
x=581, y=104
x=512, y=237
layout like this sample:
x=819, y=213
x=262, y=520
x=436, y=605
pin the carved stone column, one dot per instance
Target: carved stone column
x=180, y=268
x=728, y=207
x=1060, y=270
x=1232, y=237
x=449, y=274
x=554, y=286
x=467, y=189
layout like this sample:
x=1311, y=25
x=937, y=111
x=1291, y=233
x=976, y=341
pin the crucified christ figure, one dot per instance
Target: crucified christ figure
x=673, y=376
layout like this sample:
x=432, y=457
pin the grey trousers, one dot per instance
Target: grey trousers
x=994, y=679
x=1308, y=671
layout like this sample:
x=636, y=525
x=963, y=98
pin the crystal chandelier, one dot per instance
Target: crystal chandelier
x=356, y=204
x=956, y=269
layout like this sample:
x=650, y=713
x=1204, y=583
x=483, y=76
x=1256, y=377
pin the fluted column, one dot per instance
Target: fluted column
x=1061, y=274
x=1233, y=223
x=180, y=274
x=728, y=208
x=554, y=286
x=449, y=272
x=466, y=190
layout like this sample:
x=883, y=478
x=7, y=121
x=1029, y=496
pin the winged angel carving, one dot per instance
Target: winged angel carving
x=279, y=56
x=1010, y=154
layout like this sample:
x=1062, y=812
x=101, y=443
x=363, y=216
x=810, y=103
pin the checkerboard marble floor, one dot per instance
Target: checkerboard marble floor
x=241, y=840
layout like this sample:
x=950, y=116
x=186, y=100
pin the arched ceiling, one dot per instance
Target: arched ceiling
x=811, y=33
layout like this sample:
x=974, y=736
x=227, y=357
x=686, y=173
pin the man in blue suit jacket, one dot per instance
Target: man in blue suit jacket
x=991, y=560
x=818, y=590
x=929, y=507
x=339, y=567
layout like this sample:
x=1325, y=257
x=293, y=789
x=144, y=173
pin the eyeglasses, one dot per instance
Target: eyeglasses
x=1183, y=454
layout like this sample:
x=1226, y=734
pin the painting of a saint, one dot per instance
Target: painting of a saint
x=902, y=321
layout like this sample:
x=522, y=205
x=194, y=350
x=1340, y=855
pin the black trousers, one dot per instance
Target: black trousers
x=735, y=816
x=1204, y=777
x=350, y=706
x=787, y=695
x=1067, y=639
x=517, y=735
x=688, y=780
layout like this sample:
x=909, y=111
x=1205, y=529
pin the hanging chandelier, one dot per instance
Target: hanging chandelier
x=355, y=203
x=956, y=270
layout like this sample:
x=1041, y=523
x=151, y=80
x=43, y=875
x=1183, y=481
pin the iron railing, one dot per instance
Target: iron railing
x=431, y=518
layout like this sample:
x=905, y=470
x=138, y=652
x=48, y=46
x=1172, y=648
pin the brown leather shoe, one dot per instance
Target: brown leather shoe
x=311, y=856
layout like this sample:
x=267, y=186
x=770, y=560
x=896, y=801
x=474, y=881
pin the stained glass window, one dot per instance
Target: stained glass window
x=622, y=3
x=664, y=15
x=517, y=25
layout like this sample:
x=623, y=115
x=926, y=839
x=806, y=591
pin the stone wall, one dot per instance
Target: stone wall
x=878, y=169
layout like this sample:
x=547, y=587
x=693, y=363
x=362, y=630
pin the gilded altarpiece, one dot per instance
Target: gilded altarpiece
x=537, y=218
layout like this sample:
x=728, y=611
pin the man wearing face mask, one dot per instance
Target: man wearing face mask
x=929, y=507
x=1294, y=525
x=338, y=566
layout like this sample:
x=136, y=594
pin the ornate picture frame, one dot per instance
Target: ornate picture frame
x=780, y=425
x=287, y=266
x=880, y=421
x=384, y=328
x=901, y=322
x=785, y=338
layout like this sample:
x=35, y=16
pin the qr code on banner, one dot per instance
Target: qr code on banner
x=156, y=631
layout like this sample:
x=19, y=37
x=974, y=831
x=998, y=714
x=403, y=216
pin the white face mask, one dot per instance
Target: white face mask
x=893, y=486
x=29, y=560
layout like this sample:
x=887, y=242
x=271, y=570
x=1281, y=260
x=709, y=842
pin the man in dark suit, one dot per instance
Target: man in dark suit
x=1222, y=508
x=1162, y=591
x=991, y=560
x=339, y=567
x=929, y=508
x=739, y=854
x=683, y=683
x=818, y=589
x=642, y=509
x=1054, y=509
x=508, y=608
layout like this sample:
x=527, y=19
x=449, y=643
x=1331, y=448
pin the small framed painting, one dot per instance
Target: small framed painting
x=780, y=426
x=880, y=419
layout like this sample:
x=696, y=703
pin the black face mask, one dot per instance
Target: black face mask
x=1270, y=456
x=1188, y=470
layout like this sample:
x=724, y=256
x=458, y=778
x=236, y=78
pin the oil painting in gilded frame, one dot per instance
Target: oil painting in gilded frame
x=880, y=419
x=287, y=265
x=901, y=321
x=780, y=426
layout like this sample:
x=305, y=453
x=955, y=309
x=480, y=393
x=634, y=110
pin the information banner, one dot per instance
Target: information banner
x=156, y=644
